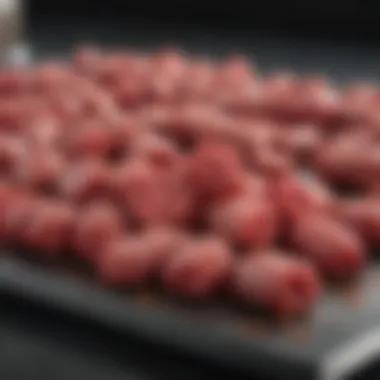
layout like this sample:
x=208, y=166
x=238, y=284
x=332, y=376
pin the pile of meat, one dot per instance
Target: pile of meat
x=202, y=176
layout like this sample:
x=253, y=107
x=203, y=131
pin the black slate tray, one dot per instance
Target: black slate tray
x=341, y=337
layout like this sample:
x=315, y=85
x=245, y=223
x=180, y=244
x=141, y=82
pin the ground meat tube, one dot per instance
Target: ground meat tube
x=276, y=282
x=333, y=247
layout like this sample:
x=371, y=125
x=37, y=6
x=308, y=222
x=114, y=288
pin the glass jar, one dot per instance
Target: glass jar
x=13, y=49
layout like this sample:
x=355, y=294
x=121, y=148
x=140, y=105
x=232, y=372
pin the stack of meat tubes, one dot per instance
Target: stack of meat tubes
x=205, y=177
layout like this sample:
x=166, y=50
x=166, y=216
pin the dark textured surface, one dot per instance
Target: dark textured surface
x=341, y=60
x=356, y=19
x=218, y=334
x=39, y=344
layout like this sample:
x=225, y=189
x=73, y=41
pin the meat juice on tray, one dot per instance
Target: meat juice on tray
x=191, y=172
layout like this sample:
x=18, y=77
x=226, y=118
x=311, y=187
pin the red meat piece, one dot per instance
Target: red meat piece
x=50, y=229
x=335, y=249
x=199, y=269
x=85, y=181
x=97, y=224
x=272, y=281
x=245, y=221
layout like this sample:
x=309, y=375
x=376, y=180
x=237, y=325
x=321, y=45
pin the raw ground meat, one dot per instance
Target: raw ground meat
x=202, y=175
